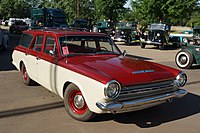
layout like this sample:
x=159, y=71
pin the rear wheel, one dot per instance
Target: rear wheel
x=75, y=104
x=161, y=47
x=184, y=59
x=142, y=45
x=25, y=77
x=128, y=41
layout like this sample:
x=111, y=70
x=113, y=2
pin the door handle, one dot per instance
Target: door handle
x=37, y=58
x=26, y=54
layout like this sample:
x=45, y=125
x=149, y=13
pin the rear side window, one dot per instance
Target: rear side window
x=38, y=43
x=26, y=40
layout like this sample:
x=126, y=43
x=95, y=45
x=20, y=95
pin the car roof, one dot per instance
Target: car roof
x=64, y=31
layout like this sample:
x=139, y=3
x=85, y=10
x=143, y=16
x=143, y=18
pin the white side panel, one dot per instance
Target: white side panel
x=92, y=90
x=46, y=73
x=28, y=60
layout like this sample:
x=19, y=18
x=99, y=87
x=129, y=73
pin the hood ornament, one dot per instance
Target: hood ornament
x=142, y=71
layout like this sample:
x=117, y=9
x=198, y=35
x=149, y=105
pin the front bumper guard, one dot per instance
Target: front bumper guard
x=132, y=105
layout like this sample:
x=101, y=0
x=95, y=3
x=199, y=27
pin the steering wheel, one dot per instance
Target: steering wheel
x=99, y=48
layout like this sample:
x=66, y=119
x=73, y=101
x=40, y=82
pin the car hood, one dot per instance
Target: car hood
x=127, y=71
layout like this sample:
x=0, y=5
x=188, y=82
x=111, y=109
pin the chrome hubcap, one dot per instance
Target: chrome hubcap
x=183, y=59
x=79, y=101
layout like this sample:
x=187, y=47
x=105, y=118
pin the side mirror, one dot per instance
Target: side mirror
x=51, y=53
x=124, y=53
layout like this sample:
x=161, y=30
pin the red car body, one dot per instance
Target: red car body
x=92, y=75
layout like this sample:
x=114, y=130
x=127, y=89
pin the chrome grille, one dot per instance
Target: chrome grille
x=139, y=91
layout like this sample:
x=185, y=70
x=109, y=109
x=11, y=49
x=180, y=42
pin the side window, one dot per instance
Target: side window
x=26, y=40
x=50, y=46
x=38, y=43
x=105, y=45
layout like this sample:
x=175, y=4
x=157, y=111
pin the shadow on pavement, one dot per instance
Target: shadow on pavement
x=22, y=111
x=178, y=109
x=6, y=55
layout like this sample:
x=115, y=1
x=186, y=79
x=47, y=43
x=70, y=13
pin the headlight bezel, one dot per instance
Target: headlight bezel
x=116, y=94
x=181, y=79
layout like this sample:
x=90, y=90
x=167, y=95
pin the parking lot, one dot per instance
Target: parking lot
x=33, y=109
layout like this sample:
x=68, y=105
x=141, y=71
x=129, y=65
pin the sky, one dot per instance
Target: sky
x=128, y=4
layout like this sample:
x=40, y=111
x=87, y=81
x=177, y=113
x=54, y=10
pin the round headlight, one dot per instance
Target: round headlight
x=112, y=89
x=185, y=40
x=122, y=32
x=181, y=79
x=158, y=34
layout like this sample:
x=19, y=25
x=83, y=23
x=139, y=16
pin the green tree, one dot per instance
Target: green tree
x=174, y=11
x=86, y=8
x=109, y=9
x=14, y=8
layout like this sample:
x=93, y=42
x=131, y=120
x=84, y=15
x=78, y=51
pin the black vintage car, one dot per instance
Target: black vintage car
x=125, y=32
x=158, y=35
x=82, y=23
x=102, y=26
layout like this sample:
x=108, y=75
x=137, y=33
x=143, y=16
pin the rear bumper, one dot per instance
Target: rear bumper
x=132, y=105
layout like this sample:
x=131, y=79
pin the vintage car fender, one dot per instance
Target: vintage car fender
x=91, y=89
x=192, y=50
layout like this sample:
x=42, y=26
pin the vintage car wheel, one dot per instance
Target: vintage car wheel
x=75, y=104
x=128, y=41
x=184, y=59
x=161, y=47
x=25, y=77
x=142, y=45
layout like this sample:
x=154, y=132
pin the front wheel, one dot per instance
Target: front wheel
x=184, y=59
x=75, y=104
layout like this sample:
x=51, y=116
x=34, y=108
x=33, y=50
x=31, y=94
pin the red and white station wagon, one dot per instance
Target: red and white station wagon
x=92, y=75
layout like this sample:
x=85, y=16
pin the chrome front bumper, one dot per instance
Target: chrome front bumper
x=138, y=104
x=152, y=43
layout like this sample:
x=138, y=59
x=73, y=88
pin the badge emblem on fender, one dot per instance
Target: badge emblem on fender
x=142, y=71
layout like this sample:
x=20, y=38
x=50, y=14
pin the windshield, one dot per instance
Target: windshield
x=80, y=45
x=196, y=32
x=157, y=26
x=125, y=25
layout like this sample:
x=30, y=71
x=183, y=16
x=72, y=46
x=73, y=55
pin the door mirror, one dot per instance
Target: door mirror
x=51, y=53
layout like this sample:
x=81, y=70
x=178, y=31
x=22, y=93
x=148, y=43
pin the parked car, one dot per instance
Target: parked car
x=18, y=26
x=103, y=27
x=4, y=22
x=190, y=52
x=82, y=23
x=3, y=40
x=92, y=75
x=125, y=32
x=158, y=35
x=177, y=39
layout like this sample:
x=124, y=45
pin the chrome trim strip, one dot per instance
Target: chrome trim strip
x=117, y=106
x=142, y=71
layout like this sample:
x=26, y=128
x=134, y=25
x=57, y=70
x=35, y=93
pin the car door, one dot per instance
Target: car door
x=32, y=57
x=46, y=68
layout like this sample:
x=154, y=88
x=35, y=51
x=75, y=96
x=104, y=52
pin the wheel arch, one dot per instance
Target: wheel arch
x=67, y=83
x=20, y=65
x=191, y=53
